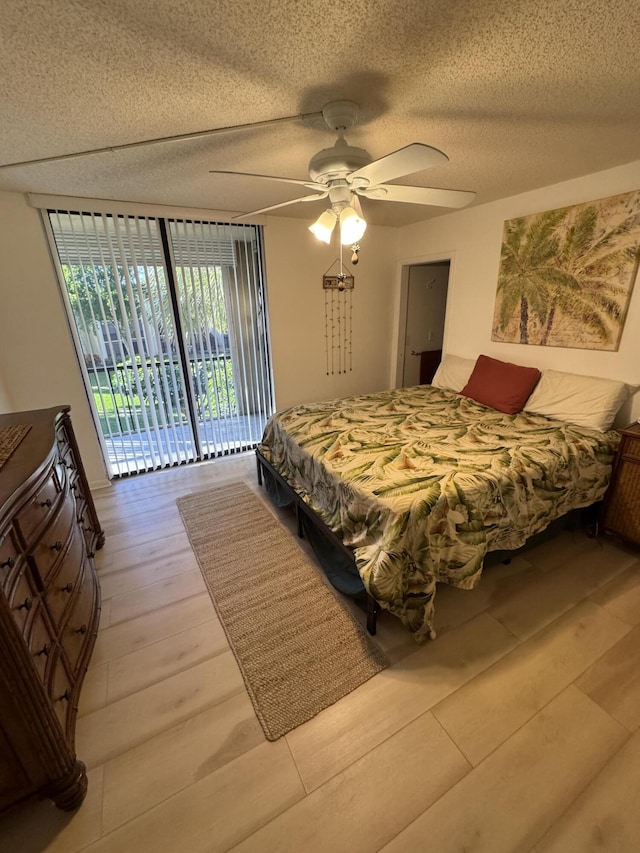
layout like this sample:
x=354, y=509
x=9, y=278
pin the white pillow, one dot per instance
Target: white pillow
x=587, y=401
x=453, y=372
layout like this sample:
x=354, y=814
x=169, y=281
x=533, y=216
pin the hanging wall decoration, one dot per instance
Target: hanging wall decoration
x=338, y=318
x=566, y=275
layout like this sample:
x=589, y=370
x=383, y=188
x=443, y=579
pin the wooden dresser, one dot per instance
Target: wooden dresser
x=49, y=609
x=621, y=508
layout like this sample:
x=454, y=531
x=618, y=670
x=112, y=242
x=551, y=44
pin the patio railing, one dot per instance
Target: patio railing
x=125, y=392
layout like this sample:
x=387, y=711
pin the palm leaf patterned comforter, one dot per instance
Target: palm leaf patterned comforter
x=422, y=482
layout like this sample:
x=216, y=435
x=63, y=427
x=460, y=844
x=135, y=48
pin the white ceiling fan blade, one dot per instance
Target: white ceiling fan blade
x=405, y=161
x=313, y=197
x=312, y=185
x=418, y=195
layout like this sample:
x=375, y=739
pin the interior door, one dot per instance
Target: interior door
x=426, y=306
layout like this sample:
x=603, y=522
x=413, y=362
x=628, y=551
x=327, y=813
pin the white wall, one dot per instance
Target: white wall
x=37, y=360
x=296, y=262
x=472, y=239
x=38, y=365
x=5, y=401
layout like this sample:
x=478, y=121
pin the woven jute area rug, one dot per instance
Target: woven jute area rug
x=10, y=438
x=298, y=648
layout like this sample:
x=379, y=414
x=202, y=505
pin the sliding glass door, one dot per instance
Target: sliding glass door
x=170, y=326
x=219, y=287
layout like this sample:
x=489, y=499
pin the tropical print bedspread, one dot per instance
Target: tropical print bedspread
x=422, y=482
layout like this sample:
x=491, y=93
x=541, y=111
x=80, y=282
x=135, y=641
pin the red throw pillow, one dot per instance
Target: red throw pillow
x=500, y=384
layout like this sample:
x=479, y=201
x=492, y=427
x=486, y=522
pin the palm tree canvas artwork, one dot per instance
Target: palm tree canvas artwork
x=566, y=275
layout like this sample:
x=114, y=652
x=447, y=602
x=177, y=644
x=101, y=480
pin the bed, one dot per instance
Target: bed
x=420, y=483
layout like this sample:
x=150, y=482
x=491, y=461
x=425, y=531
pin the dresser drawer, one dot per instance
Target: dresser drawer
x=631, y=447
x=81, y=622
x=62, y=439
x=65, y=454
x=81, y=510
x=61, y=693
x=37, y=510
x=22, y=600
x=53, y=542
x=40, y=642
x=88, y=530
x=10, y=561
x=63, y=585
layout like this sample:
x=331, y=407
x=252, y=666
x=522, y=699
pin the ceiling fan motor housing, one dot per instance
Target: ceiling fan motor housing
x=337, y=162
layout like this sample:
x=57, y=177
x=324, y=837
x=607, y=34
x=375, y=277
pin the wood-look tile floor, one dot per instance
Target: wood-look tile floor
x=518, y=729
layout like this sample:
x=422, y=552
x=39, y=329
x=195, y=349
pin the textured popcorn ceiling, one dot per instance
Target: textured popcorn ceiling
x=519, y=94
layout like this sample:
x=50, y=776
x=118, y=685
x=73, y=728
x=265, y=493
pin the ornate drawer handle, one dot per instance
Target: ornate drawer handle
x=9, y=563
x=65, y=696
x=88, y=529
x=57, y=546
x=67, y=587
x=81, y=630
x=44, y=650
x=27, y=604
x=91, y=555
x=48, y=502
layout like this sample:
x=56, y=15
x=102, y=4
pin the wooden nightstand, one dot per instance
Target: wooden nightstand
x=621, y=508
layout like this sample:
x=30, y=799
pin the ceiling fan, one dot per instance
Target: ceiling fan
x=343, y=173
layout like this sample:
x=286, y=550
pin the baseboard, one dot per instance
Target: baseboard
x=95, y=485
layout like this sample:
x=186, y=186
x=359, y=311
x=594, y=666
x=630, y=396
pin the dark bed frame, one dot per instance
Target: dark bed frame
x=572, y=520
x=301, y=509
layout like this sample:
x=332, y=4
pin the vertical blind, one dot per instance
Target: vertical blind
x=170, y=325
x=219, y=272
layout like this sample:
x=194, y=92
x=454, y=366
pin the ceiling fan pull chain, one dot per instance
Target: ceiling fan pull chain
x=340, y=328
x=339, y=338
x=350, y=330
x=341, y=278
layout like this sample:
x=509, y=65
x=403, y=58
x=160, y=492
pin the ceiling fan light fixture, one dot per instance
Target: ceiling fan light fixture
x=352, y=224
x=323, y=227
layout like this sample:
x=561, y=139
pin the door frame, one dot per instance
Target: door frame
x=400, y=308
